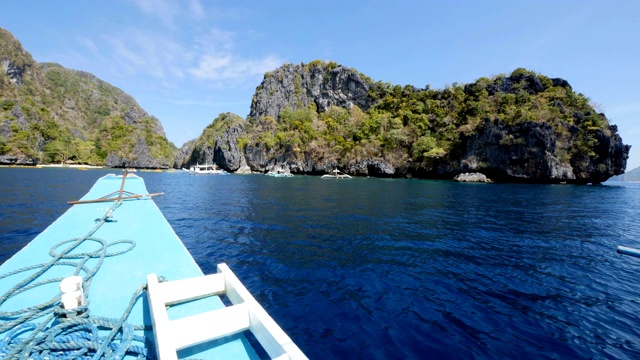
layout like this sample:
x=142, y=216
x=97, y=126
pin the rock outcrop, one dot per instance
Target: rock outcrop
x=526, y=151
x=139, y=158
x=183, y=155
x=472, y=177
x=219, y=144
x=17, y=159
x=536, y=152
x=321, y=84
x=226, y=152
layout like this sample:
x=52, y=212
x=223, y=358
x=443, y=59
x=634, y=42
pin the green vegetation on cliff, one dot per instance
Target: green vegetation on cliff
x=52, y=114
x=426, y=128
x=429, y=124
x=214, y=130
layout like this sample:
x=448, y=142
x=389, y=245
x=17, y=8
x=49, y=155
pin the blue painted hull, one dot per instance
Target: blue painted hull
x=157, y=250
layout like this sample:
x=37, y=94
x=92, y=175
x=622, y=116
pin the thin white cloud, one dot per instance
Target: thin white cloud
x=207, y=102
x=211, y=59
x=626, y=109
x=168, y=10
x=88, y=55
x=211, y=67
x=226, y=67
x=90, y=45
x=216, y=40
x=218, y=61
x=162, y=9
x=253, y=35
x=123, y=53
x=140, y=52
x=196, y=10
x=150, y=58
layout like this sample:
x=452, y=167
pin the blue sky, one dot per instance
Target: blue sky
x=187, y=61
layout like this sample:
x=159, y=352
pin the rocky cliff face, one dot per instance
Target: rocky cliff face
x=523, y=127
x=226, y=151
x=535, y=152
x=183, y=156
x=218, y=144
x=321, y=84
x=52, y=114
x=15, y=62
x=609, y=157
x=540, y=151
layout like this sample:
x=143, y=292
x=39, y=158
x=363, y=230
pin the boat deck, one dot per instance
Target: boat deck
x=157, y=250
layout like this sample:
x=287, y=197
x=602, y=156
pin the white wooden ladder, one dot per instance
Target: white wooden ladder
x=245, y=314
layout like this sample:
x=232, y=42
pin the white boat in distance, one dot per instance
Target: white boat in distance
x=279, y=173
x=204, y=169
x=337, y=174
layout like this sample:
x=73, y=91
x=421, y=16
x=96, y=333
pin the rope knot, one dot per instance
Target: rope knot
x=64, y=315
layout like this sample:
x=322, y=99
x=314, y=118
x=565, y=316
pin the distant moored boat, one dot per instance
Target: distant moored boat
x=204, y=169
x=337, y=174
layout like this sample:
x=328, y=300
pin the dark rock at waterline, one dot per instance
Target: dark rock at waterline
x=226, y=152
x=20, y=159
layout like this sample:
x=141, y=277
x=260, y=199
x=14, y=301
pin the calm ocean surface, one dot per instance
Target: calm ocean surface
x=397, y=269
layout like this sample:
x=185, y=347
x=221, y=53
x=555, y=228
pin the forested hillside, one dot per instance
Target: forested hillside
x=52, y=114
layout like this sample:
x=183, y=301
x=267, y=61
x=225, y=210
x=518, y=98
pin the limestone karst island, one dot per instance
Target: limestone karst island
x=312, y=118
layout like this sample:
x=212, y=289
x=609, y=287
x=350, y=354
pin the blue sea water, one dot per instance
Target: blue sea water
x=397, y=269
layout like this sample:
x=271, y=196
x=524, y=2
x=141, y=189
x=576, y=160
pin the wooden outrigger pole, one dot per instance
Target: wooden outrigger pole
x=121, y=192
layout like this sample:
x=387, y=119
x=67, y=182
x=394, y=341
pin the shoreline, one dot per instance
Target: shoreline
x=53, y=166
x=70, y=166
x=84, y=167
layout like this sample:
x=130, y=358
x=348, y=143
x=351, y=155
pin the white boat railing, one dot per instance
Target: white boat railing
x=245, y=314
